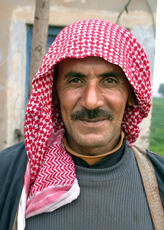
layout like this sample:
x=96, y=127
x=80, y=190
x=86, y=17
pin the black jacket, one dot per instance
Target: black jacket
x=13, y=162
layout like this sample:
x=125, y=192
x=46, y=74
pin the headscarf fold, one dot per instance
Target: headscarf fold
x=50, y=179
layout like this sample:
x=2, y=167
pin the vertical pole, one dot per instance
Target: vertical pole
x=39, y=37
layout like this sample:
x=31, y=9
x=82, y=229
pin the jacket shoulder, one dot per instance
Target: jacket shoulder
x=11, y=154
x=157, y=161
x=13, y=162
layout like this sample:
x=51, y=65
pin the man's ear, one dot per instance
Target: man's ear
x=132, y=100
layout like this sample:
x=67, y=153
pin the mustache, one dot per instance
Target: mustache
x=91, y=114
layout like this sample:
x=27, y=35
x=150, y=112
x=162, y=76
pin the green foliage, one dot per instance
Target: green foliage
x=157, y=126
x=161, y=89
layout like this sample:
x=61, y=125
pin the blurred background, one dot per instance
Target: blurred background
x=142, y=17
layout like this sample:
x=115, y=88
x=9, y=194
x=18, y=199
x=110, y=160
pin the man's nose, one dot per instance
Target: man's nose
x=92, y=97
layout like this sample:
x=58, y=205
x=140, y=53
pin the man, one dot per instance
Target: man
x=89, y=95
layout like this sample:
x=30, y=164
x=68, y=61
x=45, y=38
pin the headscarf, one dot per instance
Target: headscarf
x=50, y=179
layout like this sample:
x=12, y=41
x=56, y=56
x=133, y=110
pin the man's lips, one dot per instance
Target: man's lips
x=94, y=120
x=93, y=123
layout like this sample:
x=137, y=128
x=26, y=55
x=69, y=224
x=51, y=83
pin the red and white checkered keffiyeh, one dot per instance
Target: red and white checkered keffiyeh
x=50, y=179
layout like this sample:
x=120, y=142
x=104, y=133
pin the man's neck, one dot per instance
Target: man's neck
x=94, y=158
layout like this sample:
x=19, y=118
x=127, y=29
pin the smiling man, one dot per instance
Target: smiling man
x=82, y=170
x=93, y=94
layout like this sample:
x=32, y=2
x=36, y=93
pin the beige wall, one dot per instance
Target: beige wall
x=14, y=15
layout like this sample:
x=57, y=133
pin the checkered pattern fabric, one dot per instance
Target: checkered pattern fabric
x=51, y=173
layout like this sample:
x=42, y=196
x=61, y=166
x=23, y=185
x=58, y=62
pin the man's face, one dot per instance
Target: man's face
x=93, y=94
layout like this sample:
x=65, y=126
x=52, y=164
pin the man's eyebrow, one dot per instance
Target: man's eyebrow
x=111, y=73
x=74, y=74
x=81, y=75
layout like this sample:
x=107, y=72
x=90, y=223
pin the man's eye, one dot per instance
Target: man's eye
x=110, y=80
x=74, y=81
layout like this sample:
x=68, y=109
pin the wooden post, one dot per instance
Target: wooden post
x=39, y=37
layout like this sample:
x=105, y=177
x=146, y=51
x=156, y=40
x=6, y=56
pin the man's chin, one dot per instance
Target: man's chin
x=92, y=142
